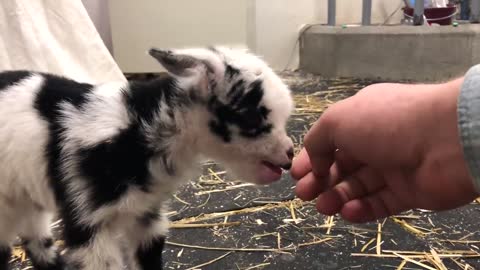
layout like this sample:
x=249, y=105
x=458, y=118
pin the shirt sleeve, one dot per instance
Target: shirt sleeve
x=469, y=121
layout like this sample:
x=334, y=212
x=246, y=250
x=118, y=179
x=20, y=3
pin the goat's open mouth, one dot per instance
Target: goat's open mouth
x=269, y=172
x=271, y=166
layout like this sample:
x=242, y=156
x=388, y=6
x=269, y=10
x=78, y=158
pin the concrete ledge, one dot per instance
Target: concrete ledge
x=391, y=52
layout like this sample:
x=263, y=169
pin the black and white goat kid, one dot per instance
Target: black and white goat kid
x=107, y=157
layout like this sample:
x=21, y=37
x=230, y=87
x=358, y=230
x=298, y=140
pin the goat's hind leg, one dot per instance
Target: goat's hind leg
x=39, y=243
x=9, y=223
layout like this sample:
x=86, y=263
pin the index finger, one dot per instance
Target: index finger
x=320, y=145
x=301, y=165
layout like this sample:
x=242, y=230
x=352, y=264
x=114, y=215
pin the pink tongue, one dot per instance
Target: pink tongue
x=269, y=173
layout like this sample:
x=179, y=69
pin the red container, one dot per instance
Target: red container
x=442, y=16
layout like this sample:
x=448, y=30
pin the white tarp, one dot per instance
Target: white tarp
x=54, y=36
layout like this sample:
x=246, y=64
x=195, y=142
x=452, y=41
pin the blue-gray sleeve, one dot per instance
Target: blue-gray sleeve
x=469, y=121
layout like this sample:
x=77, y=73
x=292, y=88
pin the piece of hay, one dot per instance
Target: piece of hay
x=414, y=262
x=367, y=244
x=198, y=267
x=379, y=239
x=402, y=264
x=206, y=225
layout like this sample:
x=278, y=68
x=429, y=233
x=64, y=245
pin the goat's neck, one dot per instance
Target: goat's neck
x=178, y=129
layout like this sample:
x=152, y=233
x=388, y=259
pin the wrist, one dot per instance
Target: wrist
x=468, y=112
x=443, y=141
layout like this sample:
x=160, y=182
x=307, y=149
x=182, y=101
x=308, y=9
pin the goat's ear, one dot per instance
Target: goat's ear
x=177, y=64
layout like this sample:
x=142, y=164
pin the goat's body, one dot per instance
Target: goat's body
x=84, y=150
x=107, y=157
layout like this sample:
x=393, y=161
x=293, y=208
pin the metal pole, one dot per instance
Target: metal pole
x=367, y=12
x=418, y=12
x=332, y=12
x=475, y=11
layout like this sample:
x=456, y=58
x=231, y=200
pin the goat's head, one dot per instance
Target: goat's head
x=247, y=108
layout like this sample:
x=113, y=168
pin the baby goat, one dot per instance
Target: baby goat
x=107, y=157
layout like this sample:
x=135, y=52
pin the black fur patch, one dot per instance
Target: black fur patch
x=47, y=243
x=5, y=254
x=76, y=235
x=55, y=91
x=231, y=72
x=143, y=98
x=243, y=110
x=236, y=92
x=221, y=129
x=9, y=78
x=113, y=166
x=149, y=217
x=253, y=97
x=150, y=258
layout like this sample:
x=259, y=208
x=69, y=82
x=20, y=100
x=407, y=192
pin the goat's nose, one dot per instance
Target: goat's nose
x=287, y=166
x=290, y=153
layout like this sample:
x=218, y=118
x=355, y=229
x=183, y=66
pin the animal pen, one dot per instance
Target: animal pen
x=219, y=222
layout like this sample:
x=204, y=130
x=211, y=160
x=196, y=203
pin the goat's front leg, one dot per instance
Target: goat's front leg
x=92, y=247
x=149, y=235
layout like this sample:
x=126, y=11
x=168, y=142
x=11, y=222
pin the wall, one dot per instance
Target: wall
x=350, y=11
x=139, y=25
x=99, y=14
x=268, y=27
x=276, y=29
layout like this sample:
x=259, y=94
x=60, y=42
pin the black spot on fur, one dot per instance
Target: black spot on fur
x=5, y=253
x=243, y=110
x=253, y=97
x=57, y=90
x=231, y=72
x=144, y=98
x=236, y=92
x=9, y=78
x=47, y=243
x=121, y=162
x=75, y=234
x=150, y=257
x=115, y=165
x=220, y=129
x=264, y=112
x=149, y=217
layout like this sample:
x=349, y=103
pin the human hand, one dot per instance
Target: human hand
x=398, y=149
